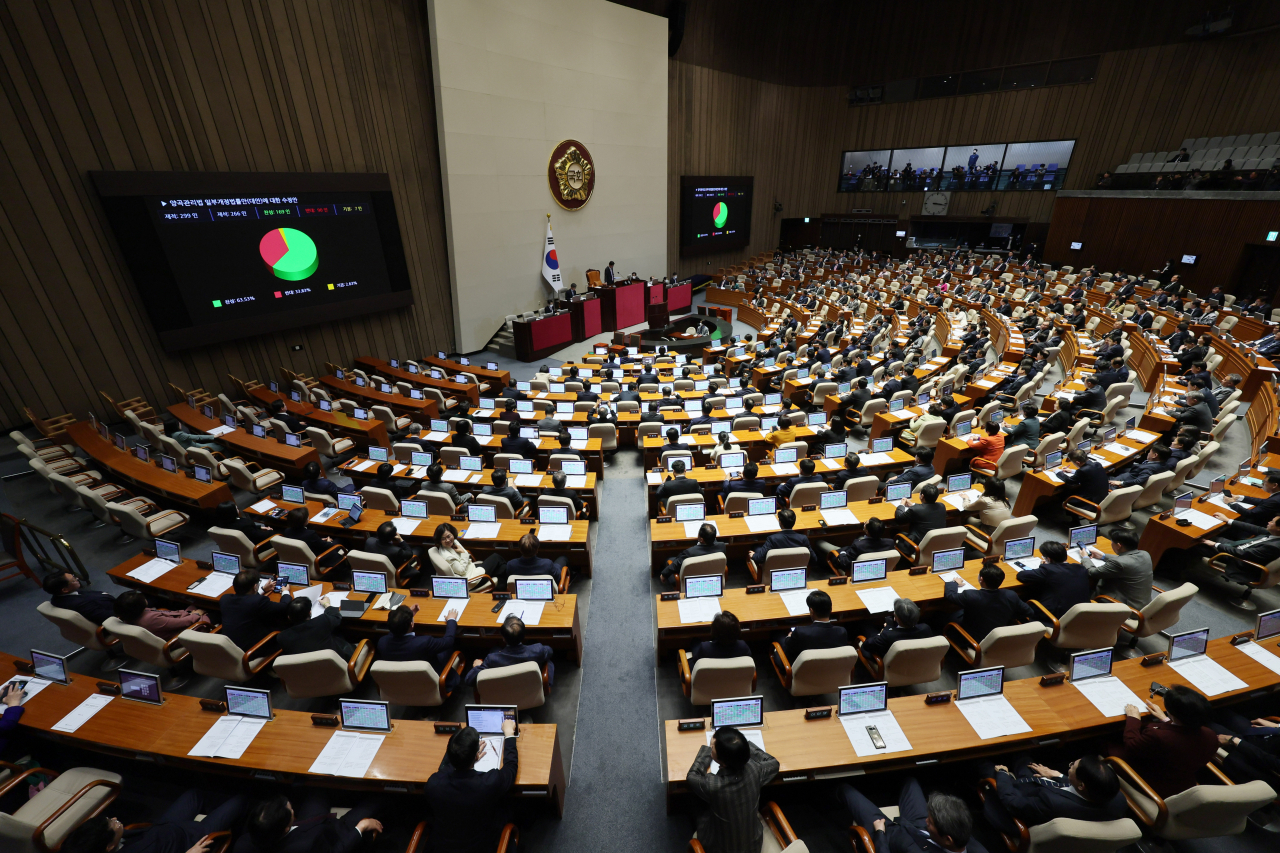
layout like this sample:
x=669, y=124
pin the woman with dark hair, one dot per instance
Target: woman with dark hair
x=726, y=640
x=724, y=444
x=450, y=559
x=991, y=507
x=131, y=607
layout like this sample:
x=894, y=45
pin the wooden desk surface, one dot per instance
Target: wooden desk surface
x=337, y=423
x=275, y=454
x=421, y=410
x=129, y=471
x=501, y=377
x=464, y=390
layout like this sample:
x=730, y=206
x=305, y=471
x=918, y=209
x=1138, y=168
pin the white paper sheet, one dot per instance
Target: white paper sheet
x=366, y=465
x=1220, y=500
x=528, y=481
x=855, y=727
x=1262, y=655
x=228, y=737
x=992, y=716
x=830, y=464
x=406, y=526
x=581, y=443
x=555, y=532
x=1028, y=564
x=756, y=736
x=955, y=578
x=762, y=523
x=786, y=469
x=458, y=604
x=876, y=458
x=1141, y=435
x=1108, y=694
x=214, y=584
x=834, y=517
x=576, y=481
x=454, y=475
x=313, y=594
x=264, y=505
x=492, y=758
x=878, y=599
x=1207, y=675
x=1198, y=519
x=82, y=713
x=347, y=754
x=483, y=530
x=1120, y=449
x=152, y=569
x=695, y=610
x=529, y=612
x=437, y=436
x=794, y=599
x=485, y=440
x=960, y=500
x=653, y=478
x=221, y=430
x=324, y=515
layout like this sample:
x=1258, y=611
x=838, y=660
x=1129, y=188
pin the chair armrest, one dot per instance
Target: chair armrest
x=777, y=822
x=911, y=546
x=1218, y=775
x=860, y=840
x=221, y=841
x=38, y=835
x=1044, y=611
x=784, y=674
x=1127, y=773
x=324, y=553
x=873, y=664
x=455, y=661
x=981, y=535
x=546, y=678
x=1023, y=839
x=562, y=585
x=833, y=563
x=1137, y=614
x=1089, y=412
x=752, y=568
x=252, y=466
x=419, y=836
x=686, y=675
x=248, y=655
x=962, y=642
x=510, y=837
x=105, y=638
x=1262, y=570
x=360, y=662
x=20, y=774
x=174, y=652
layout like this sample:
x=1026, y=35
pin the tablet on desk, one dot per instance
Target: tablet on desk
x=379, y=454
x=703, y=586
x=365, y=715
x=1085, y=534
x=882, y=445
x=292, y=494
x=1019, y=549
x=959, y=482
x=488, y=719
x=421, y=459
x=948, y=561
x=1089, y=664
x=1268, y=625
x=835, y=499
x=228, y=564
x=482, y=512
x=444, y=587
x=366, y=582
x=249, y=702
x=553, y=515
x=781, y=580
x=863, y=698
x=349, y=502
x=897, y=491
x=140, y=687
x=742, y=712
x=535, y=589
x=691, y=512
x=50, y=667
x=1187, y=644
x=868, y=570
x=976, y=683
x=166, y=550
x=413, y=509
x=293, y=574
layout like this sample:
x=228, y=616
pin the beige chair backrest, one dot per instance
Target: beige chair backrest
x=706, y=564
x=1163, y=611
x=1180, y=473
x=1047, y=445
x=932, y=481
x=861, y=488
x=503, y=506
x=785, y=558
x=1091, y=626
x=818, y=671
x=607, y=433
x=240, y=475
x=17, y=829
x=1118, y=505
x=891, y=558
x=366, y=562
x=296, y=551
x=324, y=443
x=314, y=674
x=1064, y=835
x=676, y=500
x=1011, y=528
x=651, y=429
x=66, y=490
x=95, y=503
x=132, y=522
x=72, y=626
x=915, y=661
x=557, y=500
x=1011, y=645
x=177, y=451
x=1076, y=431
x=235, y=542
x=942, y=539
x=450, y=455
x=1154, y=489
x=738, y=501
x=201, y=456
x=511, y=581
x=931, y=433
x=519, y=685
x=438, y=503
x=871, y=408
x=1221, y=427
x=380, y=499
x=1202, y=458
x=807, y=494
x=138, y=642
x=1204, y=811
x=412, y=683
x=403, y=451
x=215, y=655
x=1010, y=462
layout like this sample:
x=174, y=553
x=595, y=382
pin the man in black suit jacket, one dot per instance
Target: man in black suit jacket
x=808, y=474
x=227, y=516
x=1092, y=397
x=383, y=479
x=821, y=633
x=274, y=826
x=513, y=443
x=1056, y=584
x=922, y=517
x=296, y=528
x=90, y=603
x=1258, y=511
x=247, y=616
x=903, y=624
x=784, y=538
x=390, y=544
x=468, y=807
x=1195, y=414
x=705, y=545
x=1246, y=542
x=280, y=413
x=989, y=607
x=678, y=484
x=514, y=652
x=306, y=634
x=175, y=831
x=529, y=563
x=1034, y=794
x=1157, y=462
x=918, y=473
x=1089, y=480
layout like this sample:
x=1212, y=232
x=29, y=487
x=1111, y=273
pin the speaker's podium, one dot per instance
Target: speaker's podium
x=656, y=314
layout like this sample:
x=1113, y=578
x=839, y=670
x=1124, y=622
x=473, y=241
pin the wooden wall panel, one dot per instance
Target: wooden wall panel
x=791, y=138
x=218, y=85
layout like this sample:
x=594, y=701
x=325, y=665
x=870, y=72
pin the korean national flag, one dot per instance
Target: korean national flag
x=551, y=264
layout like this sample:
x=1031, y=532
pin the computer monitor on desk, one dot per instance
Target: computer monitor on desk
x=703, y=586
x=293, y=494
x=293, y=574
x=413, y=509
x=249, y=702
x=835, y=451
x=1090, y=664
x=1085, y=534
x=743, y=712
x=863, y=698
x=349, y=502
x=573, y=467
x=1019, y=549
x=170, y=551
x=976, y=683
x=50, y=667
x=482, y=512
x=1268, y=625
x=897, y=492
x=140, y=687
x=364, y=715
x=443, y=587
x=959, y=482
x=535, y=589
x=868, y=570
x=1186, y=644
x=882, y=445
x=781, y=580
x=228, y=564
x=762, y=506
x=691, y=512
x=366, y=582
x=948, y=561
x=784, y=455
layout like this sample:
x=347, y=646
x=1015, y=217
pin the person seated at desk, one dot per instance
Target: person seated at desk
x=731, y=821
x=1243, y=542
x=677, y=484
x=932, y=415
x=548, y=423
x=726, y=640
x=175, y=831
x=1027, y=431
x=566, y=446
x=918, y=473
x=705, y=545
x=1011, y=386
x=498, y=488
x=785, y=431
x=950, y=408
x=280, y=413
x=247, y=615
x=670, y=398
x=629, y=394
x=1035, y=794
x=852, y=470
x=1183, y=446
x=821, y=633
x=1055, y=583
x=1193, y=351
x=387, y=541
x=983, y=610
x=724, y=444
x=1252, y=746
x=602, y=414
x=449, y=559
x=1173, y=745
x=383, y=479
x=296, y=528
x=131, y=608
x=511, y=392
x=1126, y=575
x=1088, y=480
x=313, y=481
x=872, y=540
x=529, y=563
x=509, y=412
x=746, y=482
x=462, y=437
x=67, y=594
x=1092, y=398
x=513, y=442
x=515, y=651
x=808, y=474
x=673, y=442
x=401, y=644
x=275, y=826
x=902, y=624
x=469, y=808
x=704, y=418
x=922, y=517
x=435, y=483
x=586, y=395
x=1110, y=373
x=940, y=822
x=1257, y=511
x=648, y=376
x=787, y=537
x=1195, y=413
x=1229, y=386
x=1157, y=462
x=651, y=415
x=559, y=482
x=307, y=634
x=989, y=508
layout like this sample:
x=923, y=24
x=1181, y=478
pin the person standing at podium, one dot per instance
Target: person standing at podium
x=609, y=277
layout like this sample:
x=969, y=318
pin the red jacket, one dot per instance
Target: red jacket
x=1166, y=756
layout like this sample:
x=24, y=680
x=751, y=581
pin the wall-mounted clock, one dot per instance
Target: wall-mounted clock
x=936, y=204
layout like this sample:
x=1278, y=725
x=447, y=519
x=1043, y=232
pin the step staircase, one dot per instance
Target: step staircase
x=503, y=342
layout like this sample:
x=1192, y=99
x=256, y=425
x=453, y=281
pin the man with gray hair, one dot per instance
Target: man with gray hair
x=1194, y=414
x=902, y=624
x=1228, y=387
x=940, y=821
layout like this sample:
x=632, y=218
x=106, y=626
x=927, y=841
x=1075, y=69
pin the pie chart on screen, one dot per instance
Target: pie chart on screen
x=720, y=213
x=289, y=254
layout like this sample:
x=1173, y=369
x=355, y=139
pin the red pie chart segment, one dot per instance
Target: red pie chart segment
x=273, y=247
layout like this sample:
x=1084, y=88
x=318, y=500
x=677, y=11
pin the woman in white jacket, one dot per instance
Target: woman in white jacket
x=450, y=559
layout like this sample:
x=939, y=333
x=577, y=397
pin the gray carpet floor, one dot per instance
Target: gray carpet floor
x=610, y=711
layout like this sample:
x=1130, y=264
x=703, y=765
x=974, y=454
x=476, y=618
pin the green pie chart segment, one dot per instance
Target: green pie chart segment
x=289, y=254
x=720, y=213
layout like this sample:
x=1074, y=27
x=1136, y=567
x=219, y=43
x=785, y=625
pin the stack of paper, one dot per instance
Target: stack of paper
x=529, y=612
x=581, y=443
x=1220, y=500
x=875, y=458
x=347, y=754
x=1141, y=435
x=695, y=610
x=794, y=599
x=324, y=515
x=264, y=505
x=1261, y=655
x=834, y=517
x=691, y=528
x=313, y=594
x=786, y=469
x=1108, y=694
x=35, y=685
x=365, y=465
x=1207, y=675
x=575, y=481
x=855, y=726
x=492, y=757
x=653, y=478
x=992, y=716
x=1120, y=449
x=960, y=500
x=954, y=577
x=555, y=532
x=82, y=713
x=152, y=569
x=222, y=430
x=879, y=599
x=1198, y=519
x=214, y=584
x=1028, y=564
x=454, y=475
x=229, y=737
x=528, y=481
x=405, y=526
x=483, y=530
x=1052, y=475
x=762, y=523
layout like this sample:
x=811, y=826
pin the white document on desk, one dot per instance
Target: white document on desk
x=492, y=758
x=962, y=585
x=458, y=604
x=483, y=530
x=1141, y=435
x=528, y=480
x=576, y=481
x=324, y=515
x=993, y=716
x=1108, y=694
x=653, y=478
x=312, y=593
x=697, y=610
x=1198, y=519
x=1207, y=675
x=876, y=458
x=879, y=599
x=405, y=526
x=222, y=430
x=1268, y=659
x=834, y=517
x=455, y=475
x=762, y=523
x=1120, y=449
x=960, y=500
x=152, y=569
x=1220, y=500
x=529, y=612
x=264, y=505
x=755, y=736
x=82, y=713
x=347, y=754
x=365, y=466
x=436, y=436
x=794, y=599
x=214, y=584
x=229, y=737
x=855, y=726
x=579, y=443
x=555, y=532
x=691, y=528
x=786, y=469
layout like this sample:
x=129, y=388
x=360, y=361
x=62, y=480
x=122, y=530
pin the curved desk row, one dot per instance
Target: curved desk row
x=132, y=473
x=267, y=452
x=337, y=423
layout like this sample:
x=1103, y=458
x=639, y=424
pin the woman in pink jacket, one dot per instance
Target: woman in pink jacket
x=131, y=607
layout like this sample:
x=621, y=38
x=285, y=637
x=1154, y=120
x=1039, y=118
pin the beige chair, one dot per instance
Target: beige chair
x=929, y=436
x=737, y=501
x=438, y=503
x=707, y=564
x=1265, y=576
x=216, y=656
x=252, y=555
x=365, y=561
x=778, y=558
x=43, y=822
x=136, y=526
x=558, y=501
x=716, y=678
x=1116, y=506
x=329, y=446
x=815, y=671
x=208, y=458
x=140, y=644
x=1204, y=811
x=907, y=662
x=503, y=507
x=807, y=494
x=1065, y=835
x=324, y=673
x=296, y=551
x=1154, y=489
x=942, y=539
x=992, y=544
x=1161, y=613
x=65, y=465
x=681, y=500
x=1202, y=458
x=608, y=435
x=1009, y=463
x=380, y=499
x=1047, y=445
x=1007, y=646
x=560, y=582
x=93, y=500
x=250, y=476
x=394, y=422
x=523, y=685
x=861, y=488
x=1084, y=626
x=76, y=629
x=415, y=683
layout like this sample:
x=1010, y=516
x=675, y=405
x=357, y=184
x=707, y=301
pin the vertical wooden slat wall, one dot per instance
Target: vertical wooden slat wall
x=216, y=85
x=791, y=138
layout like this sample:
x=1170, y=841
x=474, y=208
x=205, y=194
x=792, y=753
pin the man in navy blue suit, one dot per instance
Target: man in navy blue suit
x=515, y=651
x=67, y=594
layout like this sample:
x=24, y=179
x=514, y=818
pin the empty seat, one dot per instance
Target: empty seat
x=324, y=673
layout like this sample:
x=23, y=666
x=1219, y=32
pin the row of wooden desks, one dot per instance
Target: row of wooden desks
x=463, y=390
x=559, y=626
x=267, y=452
x=284, y=750
x=810, y=750
x=592, y=449
x=130, y=472
x=419, y=410
x=1038, y=486
x=337, y=423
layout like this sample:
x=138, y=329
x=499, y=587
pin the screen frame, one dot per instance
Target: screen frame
x=62, y=659
x=960, y=680
x=153, y=676
x=714, y=246
x=870, y=684
x=386, y=707
x=758, y=699
x=271, y=711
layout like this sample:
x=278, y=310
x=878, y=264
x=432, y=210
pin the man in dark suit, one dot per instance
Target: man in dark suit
x=390, y=544
x=1195, y=414
x=1258, y=511
x=746, y=483
x=499, y=488
x=903, y=624
x=514, y=443
x=90, y=603
x=175, y=831
x=247, y=616
x=677, y=484
x=296, y=528
x=1033, y=794
x=821, y=633
x=940, y=822
x=1157, y=462
x=529, y=563
x=1056, y=584
x=989, y=607
x=280, y=413
x=274, y=826
x=808, y=474
x=784, y=538
x=401, y=644
x=922, y=517
x=732, y=821
x=918, y=473
x=515, y=651
x=559, y=480
x=1245, y=542
x=227, y=516
x=705, y=545
x=306, y=634
x=383, y=480
x=1092, y=398
x=1088, y=480
x=469, y=808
